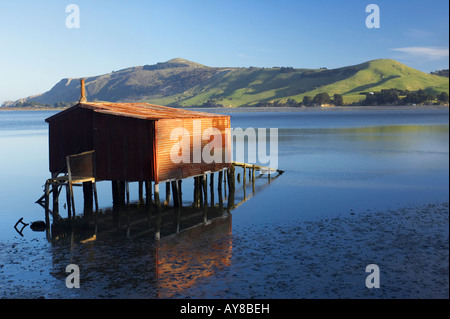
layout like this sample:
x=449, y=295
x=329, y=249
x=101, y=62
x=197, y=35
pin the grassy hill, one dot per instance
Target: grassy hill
x=180, y=82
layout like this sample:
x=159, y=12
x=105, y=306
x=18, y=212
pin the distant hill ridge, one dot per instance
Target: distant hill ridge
x=179, y=82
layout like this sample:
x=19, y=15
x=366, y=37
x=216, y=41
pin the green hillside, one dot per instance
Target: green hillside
x=180, y=82
x=382, y=74
x=248, y=86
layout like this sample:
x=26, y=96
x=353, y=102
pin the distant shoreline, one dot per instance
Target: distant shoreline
x=8, y=108
x=268, y=109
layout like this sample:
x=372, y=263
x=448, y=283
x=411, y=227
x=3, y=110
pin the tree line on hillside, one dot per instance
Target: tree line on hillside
x=441, y=73
x=38, y=104
x=320, y=99
x=383, y=97
x=404, y=97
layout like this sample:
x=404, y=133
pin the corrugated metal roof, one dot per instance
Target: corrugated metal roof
x=139, y=110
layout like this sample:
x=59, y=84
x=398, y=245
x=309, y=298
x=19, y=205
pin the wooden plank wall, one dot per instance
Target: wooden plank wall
x=71, y=133
x=124, y=148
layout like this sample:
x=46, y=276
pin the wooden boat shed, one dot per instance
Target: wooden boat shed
x=132, y=141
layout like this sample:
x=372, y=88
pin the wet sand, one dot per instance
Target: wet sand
x=328, y=258
x=320, y=259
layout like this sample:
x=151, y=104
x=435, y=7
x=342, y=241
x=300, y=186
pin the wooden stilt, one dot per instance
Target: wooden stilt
x=219, y=189
x=118, y=192
x=47, y=198
x=72, y=198
x=231, y=186
x=115, y=191
x=158, y=215
x=122, y=192
x=205, y=189
x=141, y=191
x=68, y=203
x=225, y=183
x=253, y=179
x=211, y=188
x=200, y=191
x=88, y=197
x=180, y=193
x=167, y=201
x=156, y=192
x=176, y=196
x=244, y=181
x=95, y=197
x=148, y=193
x=127, y=192
x=55, y=196
x=195, y=192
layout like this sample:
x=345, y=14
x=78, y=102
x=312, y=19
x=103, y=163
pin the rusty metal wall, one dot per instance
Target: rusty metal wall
x=167, y=169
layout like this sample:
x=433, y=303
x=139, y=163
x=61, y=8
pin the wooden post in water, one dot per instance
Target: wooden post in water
x=158, y=210
x=195, y=192
x=156, y=193
x=118, y=192
x=127, y=191
x=167, y=201
x=148, y=193
x=205, y=189
x=204, y=180
x=253, y=179
x=47, y=199
x=231, y=186
x=72, y=200
x=176, y=196
x=148, y=201
x=55, y=196
x=244, y=180
x=141, y=192
x=180, y=193
x=219, y=189
x=115, y=192
x=88, y=198
x=69, y=214
x=95, y=198
x=211, y=189
x=225, y=183
x=200, y=190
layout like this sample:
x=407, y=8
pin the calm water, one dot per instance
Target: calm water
x=336, y=162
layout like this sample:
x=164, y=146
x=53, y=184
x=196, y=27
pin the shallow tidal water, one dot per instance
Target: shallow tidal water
x=361, y=186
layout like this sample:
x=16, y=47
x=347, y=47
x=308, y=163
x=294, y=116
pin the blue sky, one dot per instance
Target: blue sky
x=37, y=49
